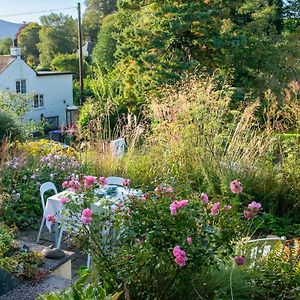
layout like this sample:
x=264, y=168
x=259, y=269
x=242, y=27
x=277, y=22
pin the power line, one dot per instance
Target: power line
x=36, y=12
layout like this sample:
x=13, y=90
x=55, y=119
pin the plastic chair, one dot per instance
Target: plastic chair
x=115, y=181
x=256, y=249
x=47, y=186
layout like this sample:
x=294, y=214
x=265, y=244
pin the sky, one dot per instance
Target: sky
x=19, y=11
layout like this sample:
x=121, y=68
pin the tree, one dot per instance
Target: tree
x=58, y=34
x=95, y=11
x=66, y=62
x=103, y=53
x=291, y=11
x=28, y=38
x=5, y=45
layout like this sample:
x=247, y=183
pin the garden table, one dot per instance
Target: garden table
x=54, y=207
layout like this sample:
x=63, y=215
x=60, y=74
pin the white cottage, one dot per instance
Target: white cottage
x=52, y=91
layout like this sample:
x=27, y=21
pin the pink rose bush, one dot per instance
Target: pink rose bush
x=180, y=256
x=171, y=234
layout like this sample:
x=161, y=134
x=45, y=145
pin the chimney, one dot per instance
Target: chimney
x=15, y=50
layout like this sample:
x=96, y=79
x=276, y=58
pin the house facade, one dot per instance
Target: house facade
x=52, y=92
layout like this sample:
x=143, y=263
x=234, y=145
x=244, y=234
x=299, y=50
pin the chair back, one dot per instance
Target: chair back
x=118, y=147
x=256, y=249
x=47, y=186
x=115, y=181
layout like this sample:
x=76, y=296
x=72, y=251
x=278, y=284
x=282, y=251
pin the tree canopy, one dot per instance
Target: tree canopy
x=58, y=34
x=28, y=38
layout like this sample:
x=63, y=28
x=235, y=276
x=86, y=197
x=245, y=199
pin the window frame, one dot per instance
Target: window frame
x=40, y=101
x=21, y=87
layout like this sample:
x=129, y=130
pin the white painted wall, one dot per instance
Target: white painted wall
x=57, y=90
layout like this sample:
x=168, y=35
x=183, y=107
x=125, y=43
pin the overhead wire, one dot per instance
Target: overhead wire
x=36, y=12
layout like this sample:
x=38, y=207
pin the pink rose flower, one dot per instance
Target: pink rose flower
x=65, y=184
x=189, y=240
x=86, y=220
x=51, y=218
x=180, y=256
x=74, y=185
x=173, y=207
x=88, y=181
x=86, y=216
x=215, y=209
x=227, y=207
x=204, y=198
x=183, y=203
x=169, y=190
x=254, y=206
x=102, y=181
x=236, y=187
x=176, y=205
x=87, y=212
x=181, y=260
x=126, y=182
x=64, y=200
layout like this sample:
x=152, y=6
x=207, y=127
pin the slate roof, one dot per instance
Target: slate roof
x=5, y=61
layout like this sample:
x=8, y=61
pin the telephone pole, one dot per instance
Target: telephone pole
x=80, y=54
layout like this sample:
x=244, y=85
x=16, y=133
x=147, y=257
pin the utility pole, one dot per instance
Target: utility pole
x=80, y=54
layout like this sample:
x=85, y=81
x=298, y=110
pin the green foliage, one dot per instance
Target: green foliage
x=5, y=44
x=95, y=11
x=6, y=239
x=82, y=289
x=58, y=35
x=13, y=108
x=24, y=173
x=66, y=63
x=103, y=53
x=9, y=127
x=136, y=251
x=28, y=38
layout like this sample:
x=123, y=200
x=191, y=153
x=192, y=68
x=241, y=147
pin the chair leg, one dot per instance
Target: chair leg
x=41, y=228
x=60, y=238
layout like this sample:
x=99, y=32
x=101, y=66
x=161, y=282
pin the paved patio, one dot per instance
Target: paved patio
x=47, y=239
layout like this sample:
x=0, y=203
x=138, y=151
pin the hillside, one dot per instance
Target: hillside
x=8, y=29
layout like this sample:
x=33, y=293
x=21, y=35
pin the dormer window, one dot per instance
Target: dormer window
x=21, y=86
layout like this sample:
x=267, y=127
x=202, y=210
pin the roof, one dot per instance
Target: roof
x=50, y=73
x=5, y=61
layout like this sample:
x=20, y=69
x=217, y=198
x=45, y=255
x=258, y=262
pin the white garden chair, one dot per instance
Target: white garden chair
x=47, y=186
x=115, y=181
x=257, y=249
x=118, y=147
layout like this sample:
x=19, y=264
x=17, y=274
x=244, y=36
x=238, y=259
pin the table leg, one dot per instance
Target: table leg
x=56, y=228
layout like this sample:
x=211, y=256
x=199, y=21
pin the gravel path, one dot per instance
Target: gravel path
x=29, y=291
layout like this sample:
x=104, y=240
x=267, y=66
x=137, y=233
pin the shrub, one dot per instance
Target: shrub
x=9, y=127
x=157, y=245
x=32, y=164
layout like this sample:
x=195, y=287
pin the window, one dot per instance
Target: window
x=38, y=101
x=21, y=86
